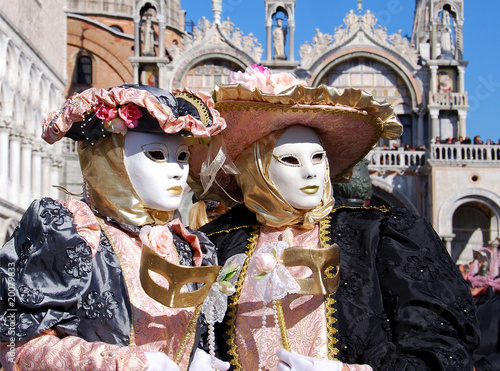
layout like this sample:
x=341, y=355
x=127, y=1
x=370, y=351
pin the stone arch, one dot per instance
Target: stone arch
x=6, y=101
x=390, y=195
x=18, y=116
x=24, y=75
x=35, y=85
x=11, y=68
x=329, y=62
x=477, y=197
x=3, y=53
x=97, y=48
x=450, y=6
x=76, y=60
x=202, y=55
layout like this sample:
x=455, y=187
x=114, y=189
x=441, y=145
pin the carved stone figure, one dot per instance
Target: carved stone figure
x=369, y=20
x=227, y=27
x=204, y=25
x=248, y=43
x=380, y=34
x=351, y=20
x=197, y=35
x=446, y=38
x=148, y=35
x=340, y=35
x=237, y=37
x=279, y=35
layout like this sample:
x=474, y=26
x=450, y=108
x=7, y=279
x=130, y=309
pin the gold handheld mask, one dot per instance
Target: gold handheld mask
x=320, y=261
x=177, y=276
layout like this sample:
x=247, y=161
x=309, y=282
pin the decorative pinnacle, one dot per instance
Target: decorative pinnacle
x=217, y=10
x=360, y=5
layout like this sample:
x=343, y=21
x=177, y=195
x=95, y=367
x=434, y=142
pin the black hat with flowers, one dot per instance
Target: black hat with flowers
x=96, y=113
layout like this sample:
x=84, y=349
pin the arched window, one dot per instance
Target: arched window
x=84, y=70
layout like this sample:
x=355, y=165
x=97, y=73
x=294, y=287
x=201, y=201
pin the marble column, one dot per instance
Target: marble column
x=268, y=43
x=434, y=122
x=420, y=128
x=55, y=171
x=26, y=146
x=137, y=36
x=14, y=167
x=434, y=49
x=433, y=79
x=46, y=181
x=459, y=42
x=135, y=66
x=291, y=46
x=462, y=124
x=161, y=39
x=4, y=160
x=461, y=79
x=36, y=174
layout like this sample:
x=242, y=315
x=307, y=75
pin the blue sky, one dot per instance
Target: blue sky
x=481, y=40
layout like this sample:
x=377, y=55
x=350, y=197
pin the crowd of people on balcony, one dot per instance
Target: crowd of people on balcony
x=466, y=140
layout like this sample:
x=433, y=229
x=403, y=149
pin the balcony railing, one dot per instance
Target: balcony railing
x=465, y=154
x=448, y=99
x=402, y=161
x=395, y=160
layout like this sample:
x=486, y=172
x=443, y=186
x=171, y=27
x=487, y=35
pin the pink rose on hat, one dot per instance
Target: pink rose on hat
x=130, y=114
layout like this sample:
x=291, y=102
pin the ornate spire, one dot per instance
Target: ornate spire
x=360, y=6
x=217, y=9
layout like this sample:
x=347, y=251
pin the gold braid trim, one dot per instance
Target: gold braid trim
x=229, y=230
x=330, y=310
x=234, y=299
x=127, y=284
x=282, y=324
x=199, y=105
x=191, y=329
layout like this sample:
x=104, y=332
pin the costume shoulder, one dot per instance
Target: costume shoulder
x=425, y=296
x=231, y=231
x=45, y=264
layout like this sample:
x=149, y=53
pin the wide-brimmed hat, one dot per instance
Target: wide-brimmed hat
x=349, y=122
x=96, y=113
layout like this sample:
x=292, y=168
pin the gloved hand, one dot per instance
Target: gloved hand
x=159, y=361
x=203, y=362
x=296, y=362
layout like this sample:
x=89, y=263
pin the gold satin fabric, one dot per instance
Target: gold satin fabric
x=263, y=198
x=109, y=187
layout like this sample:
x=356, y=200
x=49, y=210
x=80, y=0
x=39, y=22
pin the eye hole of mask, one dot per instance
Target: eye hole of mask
x=288, y=160
x=156, y=155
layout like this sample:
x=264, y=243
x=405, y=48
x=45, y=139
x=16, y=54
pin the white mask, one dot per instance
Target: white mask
x=158, y=168
x=299, y=167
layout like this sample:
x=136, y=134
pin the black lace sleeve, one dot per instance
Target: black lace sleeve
x=44, y=268
x=428, y=305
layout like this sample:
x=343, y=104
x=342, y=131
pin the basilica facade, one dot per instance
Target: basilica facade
x=455, y=185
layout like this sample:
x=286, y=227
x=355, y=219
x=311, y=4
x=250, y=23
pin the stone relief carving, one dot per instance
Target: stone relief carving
x=207, y=32
x=309, y=52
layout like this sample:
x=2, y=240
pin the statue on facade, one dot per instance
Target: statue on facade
x=447, y=47
x=148, y=34
x=237, y=37
x=351, y=20
x=279, y=36
x=227, y=28
x=369, y=20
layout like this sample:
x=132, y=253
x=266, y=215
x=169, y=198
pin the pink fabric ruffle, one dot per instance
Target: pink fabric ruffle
x=178, y=228
x=86, y=224
x=57, y=123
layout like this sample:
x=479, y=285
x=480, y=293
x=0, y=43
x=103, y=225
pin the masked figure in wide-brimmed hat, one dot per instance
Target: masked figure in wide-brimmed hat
x=71, y=285
x=324, y=286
